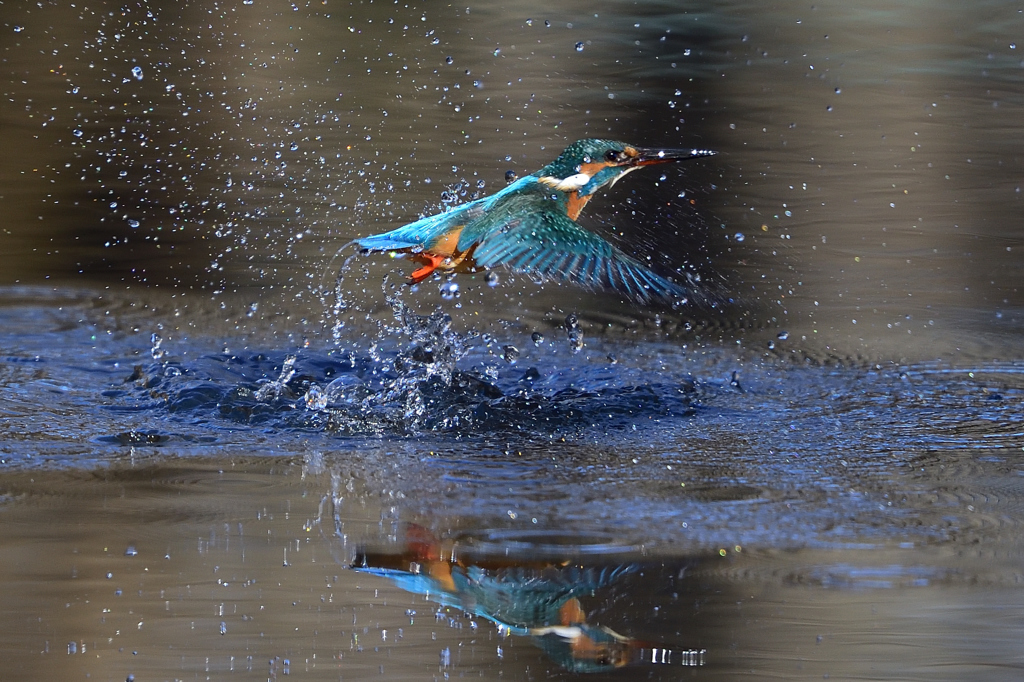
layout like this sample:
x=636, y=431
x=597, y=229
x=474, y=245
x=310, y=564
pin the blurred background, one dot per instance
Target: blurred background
x=866, y=199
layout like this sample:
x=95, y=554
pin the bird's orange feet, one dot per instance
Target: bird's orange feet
x=430, y=263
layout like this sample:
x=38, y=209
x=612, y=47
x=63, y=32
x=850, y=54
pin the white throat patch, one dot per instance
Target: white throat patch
x=569, y=184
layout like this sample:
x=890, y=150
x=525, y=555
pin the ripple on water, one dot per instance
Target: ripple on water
x=648, y=441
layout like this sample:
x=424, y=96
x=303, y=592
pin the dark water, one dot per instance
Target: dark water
x=220, y=460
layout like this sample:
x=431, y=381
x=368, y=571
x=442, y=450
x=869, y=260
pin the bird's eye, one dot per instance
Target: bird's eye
x=611, y=155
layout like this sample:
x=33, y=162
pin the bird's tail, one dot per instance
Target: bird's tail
x=389, y=241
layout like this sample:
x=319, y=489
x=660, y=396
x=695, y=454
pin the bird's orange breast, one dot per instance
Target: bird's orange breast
x=447, y=244
x=576, y=204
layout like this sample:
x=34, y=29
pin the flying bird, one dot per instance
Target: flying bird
x=530, y=227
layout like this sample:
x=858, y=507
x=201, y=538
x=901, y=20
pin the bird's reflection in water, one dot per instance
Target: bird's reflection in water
x=531, y=597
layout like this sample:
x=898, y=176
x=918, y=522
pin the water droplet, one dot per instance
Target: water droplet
x=574, y=333
x=497, y=51
x=450, y=291
x=132, y=223
x=77, y=133
x=511, y=354
x=19, y=29
x=131, y=551
x=511, y=176
x=537, y=338
x=579, y=46
x=839, y=91
x=492, y=279
x=137, y=72
x=156, y=352
x=315, y=399
x=449, y=60
x=739, y=236
x=782, y=336
x=223, y=628
x=113, y=204
x=294, y=146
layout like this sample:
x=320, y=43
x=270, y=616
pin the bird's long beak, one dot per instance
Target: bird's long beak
x=647, y=157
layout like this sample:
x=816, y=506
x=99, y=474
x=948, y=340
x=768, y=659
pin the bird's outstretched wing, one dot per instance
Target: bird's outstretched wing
x=550, y=245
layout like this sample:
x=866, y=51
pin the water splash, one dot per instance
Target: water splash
x=272, y=390
x=336, y=310
x=155, y=351
x=407, y=390
x=573, y=331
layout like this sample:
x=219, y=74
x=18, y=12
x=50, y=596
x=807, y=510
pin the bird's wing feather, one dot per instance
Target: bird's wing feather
x=550, y=245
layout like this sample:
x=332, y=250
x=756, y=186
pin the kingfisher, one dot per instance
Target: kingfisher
x=530, y=227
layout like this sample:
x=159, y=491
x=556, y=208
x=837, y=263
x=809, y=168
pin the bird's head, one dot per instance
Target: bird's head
x=588, y=165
